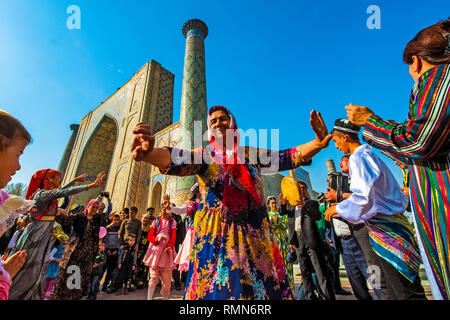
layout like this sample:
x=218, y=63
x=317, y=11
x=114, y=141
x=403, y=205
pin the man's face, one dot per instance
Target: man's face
x=340, y=142
x=151, y=212
x=344, y=165
x=133, y=214
x=303, y=190
x=131, y=241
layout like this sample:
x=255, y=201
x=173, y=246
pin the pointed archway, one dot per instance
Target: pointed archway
x=97, y=156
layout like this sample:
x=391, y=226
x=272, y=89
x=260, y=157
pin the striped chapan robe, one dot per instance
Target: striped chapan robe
x=422, y=141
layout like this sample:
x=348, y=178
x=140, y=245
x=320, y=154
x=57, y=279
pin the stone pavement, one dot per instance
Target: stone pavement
x=141, y=294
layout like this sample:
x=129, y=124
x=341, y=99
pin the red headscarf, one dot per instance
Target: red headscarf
x=239, y=187
x=38, y=181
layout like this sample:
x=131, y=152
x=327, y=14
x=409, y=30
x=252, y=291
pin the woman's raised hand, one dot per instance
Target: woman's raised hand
x=80, y=178
x=99, y=180
x=358, y=114
x=320, y=129
x=143, y=142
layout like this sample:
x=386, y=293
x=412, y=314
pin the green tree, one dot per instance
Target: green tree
x=18, y=189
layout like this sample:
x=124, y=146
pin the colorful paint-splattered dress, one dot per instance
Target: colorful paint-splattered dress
x=234, y=256
x=279, y=226
x=423, y=142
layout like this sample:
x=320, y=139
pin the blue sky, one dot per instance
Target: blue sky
x=271, y=63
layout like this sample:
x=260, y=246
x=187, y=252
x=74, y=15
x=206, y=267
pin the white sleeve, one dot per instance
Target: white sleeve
x=178, y=210
x=52, y=253
x=364, y=172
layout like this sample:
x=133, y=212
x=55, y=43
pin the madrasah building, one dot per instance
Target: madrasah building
x=102, y=141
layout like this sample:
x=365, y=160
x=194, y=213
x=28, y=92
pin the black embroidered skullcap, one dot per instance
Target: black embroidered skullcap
x=345, y=126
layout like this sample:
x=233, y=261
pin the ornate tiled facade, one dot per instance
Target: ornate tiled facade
x=104, y=137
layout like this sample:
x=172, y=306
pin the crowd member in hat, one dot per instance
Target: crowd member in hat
x=151, y=214
x=232, y=237
x=378, y=201
x=130, y=226
x=44, y=189
x=279, y=225
x=342, y=237
x=310, y=248
x=80, y=251
x=422, y=141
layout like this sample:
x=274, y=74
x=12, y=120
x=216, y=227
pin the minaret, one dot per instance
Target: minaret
x=68, y=151
x=193, y=96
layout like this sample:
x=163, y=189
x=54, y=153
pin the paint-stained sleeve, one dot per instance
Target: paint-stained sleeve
x=273, y=161
x=185, y=163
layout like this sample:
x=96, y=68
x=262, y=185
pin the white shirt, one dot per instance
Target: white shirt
x=298, y=219
x=374, y=188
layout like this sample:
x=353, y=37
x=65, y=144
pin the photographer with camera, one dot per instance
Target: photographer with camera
x=106, y=221
x=340, y=234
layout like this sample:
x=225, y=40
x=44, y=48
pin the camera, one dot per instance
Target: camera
x=105, y=194
x=337, y=181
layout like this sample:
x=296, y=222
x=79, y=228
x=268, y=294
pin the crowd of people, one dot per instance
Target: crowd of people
x=233, y=243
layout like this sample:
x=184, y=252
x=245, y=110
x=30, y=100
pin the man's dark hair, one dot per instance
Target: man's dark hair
x=117, y=216
x=151, y=208
x=134, y=209
x=126, y=210
x=302, y=183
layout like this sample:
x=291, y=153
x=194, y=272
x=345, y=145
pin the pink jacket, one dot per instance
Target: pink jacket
x=5, y=282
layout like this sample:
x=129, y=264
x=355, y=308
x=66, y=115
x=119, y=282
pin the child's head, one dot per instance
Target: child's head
x=13, y=140
x=101, y=246
x=131, y=240
x=116, y=220
x=344, y=134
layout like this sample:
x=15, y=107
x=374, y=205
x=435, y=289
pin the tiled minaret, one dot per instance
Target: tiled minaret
x=193, y=97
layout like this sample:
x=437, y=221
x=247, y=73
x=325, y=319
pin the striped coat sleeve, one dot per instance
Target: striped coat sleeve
x=425, y=132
